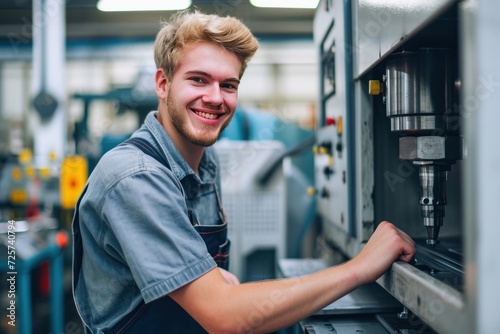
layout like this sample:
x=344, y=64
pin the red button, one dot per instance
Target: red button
x=330, y=121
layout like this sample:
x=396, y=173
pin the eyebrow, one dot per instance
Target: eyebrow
x=202, y=73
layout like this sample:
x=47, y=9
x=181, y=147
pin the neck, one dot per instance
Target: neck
x=190, y=152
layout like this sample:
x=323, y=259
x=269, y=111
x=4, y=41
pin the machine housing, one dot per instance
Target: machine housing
x=406, y=129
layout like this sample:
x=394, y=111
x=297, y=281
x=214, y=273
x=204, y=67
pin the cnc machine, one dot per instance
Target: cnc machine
x=406, y=133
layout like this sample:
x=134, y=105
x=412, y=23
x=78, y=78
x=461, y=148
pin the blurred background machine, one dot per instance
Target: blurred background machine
x=407, y=115
x=35, y=250
x=256, y=212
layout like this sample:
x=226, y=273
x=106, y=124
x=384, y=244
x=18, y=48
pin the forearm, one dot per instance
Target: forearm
x=268, y=306
x=261, y=307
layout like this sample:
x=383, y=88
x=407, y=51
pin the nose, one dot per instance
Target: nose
x=213, y=95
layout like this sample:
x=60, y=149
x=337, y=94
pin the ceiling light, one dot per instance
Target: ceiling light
x=141, y=5
x=285, y=3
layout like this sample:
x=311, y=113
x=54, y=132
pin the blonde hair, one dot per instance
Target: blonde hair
x=188, y=27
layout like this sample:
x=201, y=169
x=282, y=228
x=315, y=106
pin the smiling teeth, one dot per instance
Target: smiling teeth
x=205, y=115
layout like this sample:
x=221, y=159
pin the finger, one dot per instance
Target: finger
x=408, y=252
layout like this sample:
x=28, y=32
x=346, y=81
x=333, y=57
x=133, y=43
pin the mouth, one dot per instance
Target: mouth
x=208, y=115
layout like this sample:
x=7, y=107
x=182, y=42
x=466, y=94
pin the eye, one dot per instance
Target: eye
x=197, y=79
x=229, y=86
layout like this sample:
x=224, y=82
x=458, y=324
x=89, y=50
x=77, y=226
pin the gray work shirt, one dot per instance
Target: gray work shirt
x=138, y=241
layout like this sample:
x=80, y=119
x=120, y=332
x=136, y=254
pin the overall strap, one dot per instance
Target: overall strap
x=146, y=147
x=162, y=314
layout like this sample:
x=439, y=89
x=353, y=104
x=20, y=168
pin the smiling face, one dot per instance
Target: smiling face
x=200, y=100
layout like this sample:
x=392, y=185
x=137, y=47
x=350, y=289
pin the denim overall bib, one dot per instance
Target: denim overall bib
x=163, y=315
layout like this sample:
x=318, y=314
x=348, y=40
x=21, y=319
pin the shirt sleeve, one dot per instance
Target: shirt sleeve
x=147, y=216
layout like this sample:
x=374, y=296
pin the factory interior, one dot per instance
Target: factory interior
x=350, y=113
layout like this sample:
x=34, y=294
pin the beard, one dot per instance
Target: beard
x=205, y=136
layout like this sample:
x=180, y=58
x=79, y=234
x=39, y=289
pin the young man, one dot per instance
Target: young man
x=150, y=245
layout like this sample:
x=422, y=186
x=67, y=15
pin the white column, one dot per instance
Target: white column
x=49, y=32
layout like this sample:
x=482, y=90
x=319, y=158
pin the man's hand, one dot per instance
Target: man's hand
x=386, y=245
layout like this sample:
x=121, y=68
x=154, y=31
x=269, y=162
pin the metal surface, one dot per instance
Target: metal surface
x=432, y=300
x=334, y=158
x=331, y=172
x=383, y=26
x=432, y=199
x=444, y=262
x=349, y=325
x=406, y=325
x=369, y=298
x=420, y=84
x=435, y=148
x=481, y=99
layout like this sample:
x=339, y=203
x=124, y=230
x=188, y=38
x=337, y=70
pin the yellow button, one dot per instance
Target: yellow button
x=311, y=191
x=30, y=171
x=45, y=172
x=18, y=196
x=53, y=156
x=25, y=156
x=17, y=174
x=374, y=87
x=339, y=126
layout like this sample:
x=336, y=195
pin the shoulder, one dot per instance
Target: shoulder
x=125, y=161
x=120, y=162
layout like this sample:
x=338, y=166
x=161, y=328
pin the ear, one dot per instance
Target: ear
x=161, y=84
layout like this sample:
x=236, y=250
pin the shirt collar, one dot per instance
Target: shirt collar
x=166, y=147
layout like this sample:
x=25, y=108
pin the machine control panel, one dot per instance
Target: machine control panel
x=333, y=160
x=330, y=171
